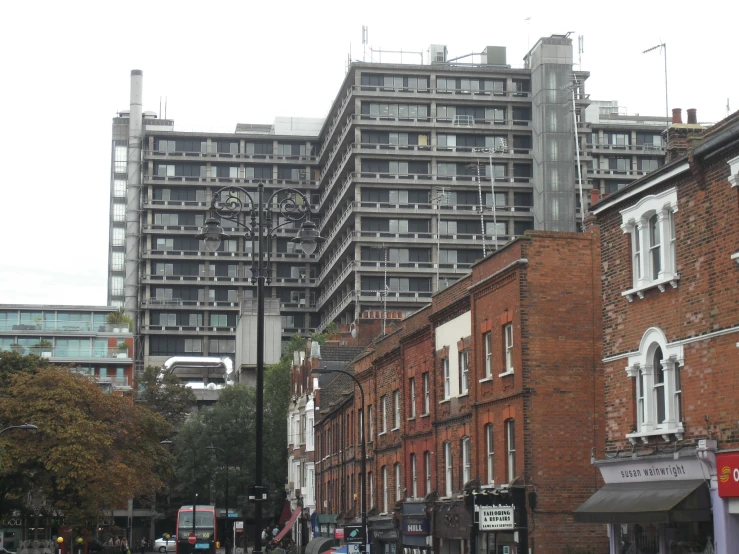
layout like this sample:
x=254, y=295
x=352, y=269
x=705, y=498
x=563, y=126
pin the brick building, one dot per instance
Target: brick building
x=669, y=245
x=485, y=404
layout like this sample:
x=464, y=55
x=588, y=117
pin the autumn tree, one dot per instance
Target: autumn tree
x=92, y=449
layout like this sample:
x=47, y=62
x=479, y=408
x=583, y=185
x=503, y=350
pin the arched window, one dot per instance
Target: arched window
x=655, y=369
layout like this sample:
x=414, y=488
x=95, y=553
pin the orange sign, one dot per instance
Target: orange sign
x=727, y=470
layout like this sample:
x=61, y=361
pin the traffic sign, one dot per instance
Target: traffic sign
x=191, y=538
x=256, y=493
x=353, y=534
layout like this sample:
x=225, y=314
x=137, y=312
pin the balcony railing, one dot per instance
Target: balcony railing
x=64, y=326
x=69, y=353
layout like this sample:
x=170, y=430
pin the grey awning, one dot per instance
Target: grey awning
x=319, y=545
x=656, y=502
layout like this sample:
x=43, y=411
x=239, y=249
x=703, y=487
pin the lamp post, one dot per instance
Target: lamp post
x=23, y=427
x=228, y=203
x=364, y=448
x=228, y=518
x=194, y=494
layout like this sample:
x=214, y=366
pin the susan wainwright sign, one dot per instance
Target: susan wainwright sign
x=495, y=518
x=640, y=471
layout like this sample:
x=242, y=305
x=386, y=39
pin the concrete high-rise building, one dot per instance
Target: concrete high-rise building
x=416, y=172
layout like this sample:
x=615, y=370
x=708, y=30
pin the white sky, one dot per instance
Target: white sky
x=66, y=68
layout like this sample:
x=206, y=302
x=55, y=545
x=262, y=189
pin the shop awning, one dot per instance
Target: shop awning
x=649, y=502
x=289, y=524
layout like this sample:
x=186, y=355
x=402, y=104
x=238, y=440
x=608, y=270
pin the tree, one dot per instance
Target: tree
x=92, y=449
x=229, y=425
x=166, y=395
x=13, y=362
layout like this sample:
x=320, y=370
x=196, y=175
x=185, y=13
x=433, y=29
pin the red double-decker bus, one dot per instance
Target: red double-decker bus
x=204, y=530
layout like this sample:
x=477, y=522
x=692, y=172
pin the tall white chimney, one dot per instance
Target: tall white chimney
x=133, y=196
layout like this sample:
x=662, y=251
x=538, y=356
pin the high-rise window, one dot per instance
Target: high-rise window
x=119, y=212
x=510, y=428
x=490, y=452
x=116, y=261
x=412, y=389
x=119, y=236
x=119, y=188
x=448, y=475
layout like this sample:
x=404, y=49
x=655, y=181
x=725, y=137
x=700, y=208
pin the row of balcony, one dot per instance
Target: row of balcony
x=72, y=354
x=64, y=326
x=226, y=157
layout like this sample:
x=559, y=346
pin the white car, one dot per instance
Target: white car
x=163, y=545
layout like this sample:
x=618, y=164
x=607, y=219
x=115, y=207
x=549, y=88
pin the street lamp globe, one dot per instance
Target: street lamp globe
x=308, y=237
x=212, y=234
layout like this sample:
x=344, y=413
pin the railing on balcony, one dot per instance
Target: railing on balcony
x=64, y=326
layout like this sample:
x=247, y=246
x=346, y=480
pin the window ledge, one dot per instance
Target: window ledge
x=426, y=415
x=486, y=380
x=665, y=433
x=382, y=434
x=464, y=395
x=446, y=400
x=412, y=418
x=735, y=257
x=660, y=283
x=506, y=373
x=394, y=429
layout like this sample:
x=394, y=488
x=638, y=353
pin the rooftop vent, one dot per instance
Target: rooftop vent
x=437, y=53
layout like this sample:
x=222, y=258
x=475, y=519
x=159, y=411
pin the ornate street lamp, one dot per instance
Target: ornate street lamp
x=293, y=207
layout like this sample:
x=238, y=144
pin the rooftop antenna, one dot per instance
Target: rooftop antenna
x=580, y=49
x=365, y=37
x=160, y=107
x=528, y=34
x=662, y=46
x=728, y=109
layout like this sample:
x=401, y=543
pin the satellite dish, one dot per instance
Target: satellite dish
x=353, y=329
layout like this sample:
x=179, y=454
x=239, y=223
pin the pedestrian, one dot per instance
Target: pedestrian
x=143, y=544
x=124, y=546
x=265, y=536
x=117, y=542
x=275, y=531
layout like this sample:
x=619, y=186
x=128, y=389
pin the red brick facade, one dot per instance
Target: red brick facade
x=546, y=286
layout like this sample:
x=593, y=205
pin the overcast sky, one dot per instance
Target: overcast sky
x=66, y=68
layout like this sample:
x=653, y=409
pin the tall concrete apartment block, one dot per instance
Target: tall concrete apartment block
x=404, y=173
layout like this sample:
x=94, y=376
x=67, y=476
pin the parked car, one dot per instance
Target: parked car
x=163, y=545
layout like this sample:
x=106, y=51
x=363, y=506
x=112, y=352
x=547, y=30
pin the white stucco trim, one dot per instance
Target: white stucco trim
x=681, y=342
x=734, y=171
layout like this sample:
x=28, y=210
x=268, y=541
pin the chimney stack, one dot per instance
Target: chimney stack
x=679, y=137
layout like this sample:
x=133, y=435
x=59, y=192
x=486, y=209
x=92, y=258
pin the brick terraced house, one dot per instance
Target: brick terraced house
x=482, y=409
x=670, y=251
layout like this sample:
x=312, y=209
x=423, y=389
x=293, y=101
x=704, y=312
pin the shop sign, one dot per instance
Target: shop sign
x=339, y=534
x=415, y=525
x=641, y=471
x=495, y=518
x=727, y=471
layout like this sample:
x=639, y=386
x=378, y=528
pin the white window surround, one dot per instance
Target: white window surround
x=734, y=171
x=641, y=362
x=635, y=221
x=734, y=182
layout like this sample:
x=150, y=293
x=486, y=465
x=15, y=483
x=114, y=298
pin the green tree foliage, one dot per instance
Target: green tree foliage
x=229, y=425
x=13, y=362
x=166, y=395
x=92, y=451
